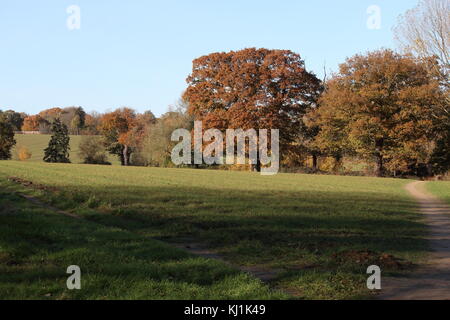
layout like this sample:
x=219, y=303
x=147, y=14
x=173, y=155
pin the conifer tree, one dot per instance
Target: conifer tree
x=58, y=147
x=6, y=137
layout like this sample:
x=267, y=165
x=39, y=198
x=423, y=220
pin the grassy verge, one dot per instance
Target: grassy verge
x=321, y=232
x=37, y=246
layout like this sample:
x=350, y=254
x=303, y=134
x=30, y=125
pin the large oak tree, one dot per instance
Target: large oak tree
x=252, y=89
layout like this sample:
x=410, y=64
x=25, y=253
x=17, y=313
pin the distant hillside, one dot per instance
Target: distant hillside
x=36, y=143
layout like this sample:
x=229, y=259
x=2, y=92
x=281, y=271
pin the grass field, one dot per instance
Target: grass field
x=320, y=232
x=36, y=143
x=37, y=246
x=440, y=189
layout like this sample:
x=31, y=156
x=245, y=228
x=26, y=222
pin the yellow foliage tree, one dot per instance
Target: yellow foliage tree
x=24, y=154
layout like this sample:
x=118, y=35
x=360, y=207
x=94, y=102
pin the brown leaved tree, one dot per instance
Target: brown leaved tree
x=116, y=128
x=252, y=89
x=384, y=106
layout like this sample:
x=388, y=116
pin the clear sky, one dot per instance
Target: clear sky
x=138, y=53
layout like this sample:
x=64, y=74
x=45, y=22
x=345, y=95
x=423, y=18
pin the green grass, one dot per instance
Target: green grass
x=36, y=143
x=315, y=229
x=440, y=189
x=37, y=246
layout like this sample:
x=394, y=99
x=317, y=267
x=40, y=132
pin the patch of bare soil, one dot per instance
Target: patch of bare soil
x=31, y=184
x=367, y=257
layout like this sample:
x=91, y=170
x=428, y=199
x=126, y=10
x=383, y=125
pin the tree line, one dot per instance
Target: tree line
x=383, y=107
x=388, y=109
x=73, y=117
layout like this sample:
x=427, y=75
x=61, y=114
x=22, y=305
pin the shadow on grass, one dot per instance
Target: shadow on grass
x=279, y=228
x=302, y=232
x=37, y=245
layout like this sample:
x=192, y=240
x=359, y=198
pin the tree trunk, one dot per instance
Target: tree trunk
x=314, y=162
x=429, y=170
x=337, y=163
x=379, y=157
x=125, y=155
x=258, y=165
x=128, y=158
x=379, y=168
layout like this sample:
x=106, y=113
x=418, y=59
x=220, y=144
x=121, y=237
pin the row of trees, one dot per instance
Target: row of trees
x=74, y=118
x=383, y=107
x=386, y=108
x=138, y=138
x=123, y=133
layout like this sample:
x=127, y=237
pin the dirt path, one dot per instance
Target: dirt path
x=431, y=281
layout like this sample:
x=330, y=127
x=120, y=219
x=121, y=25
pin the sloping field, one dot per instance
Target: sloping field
x=36, y=143
x=318, y=233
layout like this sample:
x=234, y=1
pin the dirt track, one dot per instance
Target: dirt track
x=431, y=281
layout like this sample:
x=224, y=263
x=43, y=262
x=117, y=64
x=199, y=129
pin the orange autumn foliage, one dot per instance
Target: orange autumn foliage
x=31, y=123
x=118, y=126
x=252, y=88
x=24, y=154
x=50, y=114
x=383, y=106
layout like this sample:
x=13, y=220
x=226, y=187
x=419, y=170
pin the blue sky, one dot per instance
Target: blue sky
x=138, y=53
